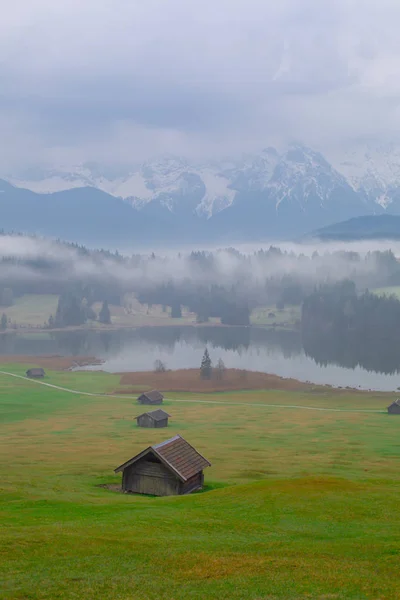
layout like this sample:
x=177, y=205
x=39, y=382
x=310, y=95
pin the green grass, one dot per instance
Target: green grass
x=299, y=504
x=34, y=310
x=388, y=291
x=31, y=309
x=286, y=317
x=133, y=314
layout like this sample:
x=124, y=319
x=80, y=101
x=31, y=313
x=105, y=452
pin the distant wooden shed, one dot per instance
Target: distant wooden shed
x=155, y=418
x=35, y=373
x=394, y=408
x=153, y=397
x=170, y=468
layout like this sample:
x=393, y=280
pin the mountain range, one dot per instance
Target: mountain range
x=265, y=196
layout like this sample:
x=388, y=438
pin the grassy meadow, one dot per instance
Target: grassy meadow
x=34, y=310
x=31, y=310
x=298, y=504
x=287, y=317
x=388, y=291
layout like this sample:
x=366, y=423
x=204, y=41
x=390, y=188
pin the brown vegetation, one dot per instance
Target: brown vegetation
x=188, y=380
x=57, y=363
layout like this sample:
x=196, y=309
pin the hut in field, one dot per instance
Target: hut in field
x=394, y=408
x=155, y=418
x=170, y=468
x=35, y=373
x=153, y=397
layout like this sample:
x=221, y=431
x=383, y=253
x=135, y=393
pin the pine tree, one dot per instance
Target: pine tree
x=7, y=297
x=105, y=315
x=206, y=366
x=176, y=311
x=220, y=369
x=4, y=321
x=159, y=366
x=70, y=311
x=202, y=315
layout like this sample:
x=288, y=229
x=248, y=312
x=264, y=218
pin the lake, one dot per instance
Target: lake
x=257, y=349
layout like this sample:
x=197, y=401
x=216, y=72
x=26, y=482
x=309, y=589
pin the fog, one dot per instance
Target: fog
x=233, y=287
x=25, y=258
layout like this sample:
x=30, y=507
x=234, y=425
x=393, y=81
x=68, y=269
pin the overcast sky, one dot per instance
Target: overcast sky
x=123, y=80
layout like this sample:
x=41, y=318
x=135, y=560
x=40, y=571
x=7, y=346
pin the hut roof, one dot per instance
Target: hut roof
x=396, y=402
x=157, y=415
x=153, y=396
x=176, y=454
x=35, y=371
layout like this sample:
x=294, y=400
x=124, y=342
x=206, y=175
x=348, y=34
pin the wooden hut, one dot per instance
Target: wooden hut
x=155, y=418
x=170, y=468
x=394, y=408
x=35, y=373
x=153, y=397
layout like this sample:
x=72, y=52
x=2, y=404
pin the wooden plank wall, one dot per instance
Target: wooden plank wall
x=145, y=477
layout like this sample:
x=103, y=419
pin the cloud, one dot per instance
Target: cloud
x=99, y=80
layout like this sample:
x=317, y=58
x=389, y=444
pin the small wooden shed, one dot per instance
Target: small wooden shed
x=153, y=397
x=155, y=418
x=394, y=408
x=170, y=468
x=35, y=373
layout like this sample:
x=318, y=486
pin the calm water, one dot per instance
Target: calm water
x=276, y=352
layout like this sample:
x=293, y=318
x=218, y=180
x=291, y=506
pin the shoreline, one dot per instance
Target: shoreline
x=111, y=328
x=55, y=362
x=187, y=380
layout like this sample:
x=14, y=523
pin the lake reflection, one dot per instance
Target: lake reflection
x=279, y=352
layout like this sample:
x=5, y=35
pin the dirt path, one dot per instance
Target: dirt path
x=254, y=404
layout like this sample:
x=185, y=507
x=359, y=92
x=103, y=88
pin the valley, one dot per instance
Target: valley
x=199, y=300
x=291, y=412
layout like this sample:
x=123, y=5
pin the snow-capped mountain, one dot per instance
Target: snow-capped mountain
x=299, y=190
x=270, y=193
x=373, y=171
x=205, y=188
x=169, y=182
x=304, y=176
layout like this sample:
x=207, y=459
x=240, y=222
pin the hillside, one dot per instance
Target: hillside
x=361, y=228
x=84, y=215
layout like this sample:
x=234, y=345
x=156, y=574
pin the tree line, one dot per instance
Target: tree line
x=348, y=328
x=229, y=304
x=73, y=309
x=224, y=284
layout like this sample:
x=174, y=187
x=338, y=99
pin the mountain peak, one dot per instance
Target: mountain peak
x=366, y=179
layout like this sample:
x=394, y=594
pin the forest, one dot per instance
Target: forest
x=341, y=326
x=226, y=284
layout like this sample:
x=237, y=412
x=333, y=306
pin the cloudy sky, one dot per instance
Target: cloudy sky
x=123, y=80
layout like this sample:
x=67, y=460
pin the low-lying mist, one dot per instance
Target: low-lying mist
x=29, y=258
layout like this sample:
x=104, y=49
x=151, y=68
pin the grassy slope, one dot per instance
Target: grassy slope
x=285, y=317
x=35, y=310
x=302, y=503
x=31, y=309
x=388, y=291
x=134, y=314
